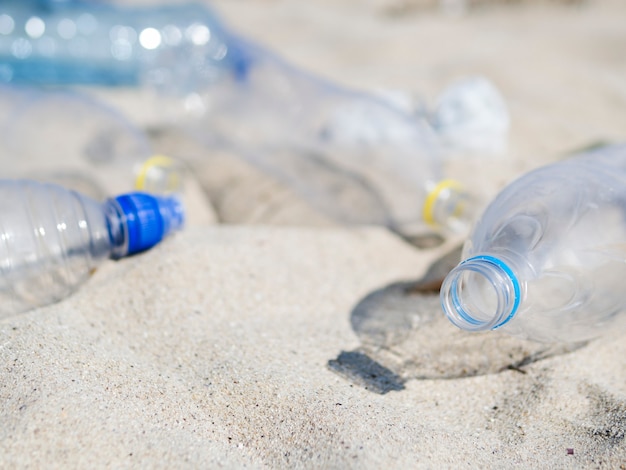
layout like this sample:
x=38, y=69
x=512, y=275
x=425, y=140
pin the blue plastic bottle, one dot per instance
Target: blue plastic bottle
x=53, y=238
x=96, y=43
x=231, y=91
x=547, y=259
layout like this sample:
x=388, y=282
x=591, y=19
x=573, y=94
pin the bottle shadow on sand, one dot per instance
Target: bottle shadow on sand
x=405, y=336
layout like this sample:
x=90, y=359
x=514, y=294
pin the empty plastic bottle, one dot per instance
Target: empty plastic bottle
x=231, y=91
x=50, y=134
x=53, y=238
x=547, y=259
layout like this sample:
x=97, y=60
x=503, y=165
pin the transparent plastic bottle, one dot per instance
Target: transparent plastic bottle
x=53, y=238
x=96, y=140
x=547, y=259
x=230, y=91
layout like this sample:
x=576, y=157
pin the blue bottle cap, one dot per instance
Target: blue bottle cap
x=149, y=218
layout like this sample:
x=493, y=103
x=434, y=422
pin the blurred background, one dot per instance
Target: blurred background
x=558, y=65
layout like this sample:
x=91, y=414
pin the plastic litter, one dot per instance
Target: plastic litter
x=235, y=93
x=547, y=259
x=52, y=238
x=99, y=141
x=471, y=117
x=100, y=43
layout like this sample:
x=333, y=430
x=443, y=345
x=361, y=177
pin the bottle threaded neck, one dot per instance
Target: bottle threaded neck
x=138, y=221
x=160, y=174
x=448, y=205
x=482, y=293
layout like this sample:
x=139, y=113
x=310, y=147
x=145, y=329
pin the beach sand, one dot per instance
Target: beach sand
x=280, y=339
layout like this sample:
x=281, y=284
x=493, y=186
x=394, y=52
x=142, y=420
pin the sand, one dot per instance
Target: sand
x=280, y=339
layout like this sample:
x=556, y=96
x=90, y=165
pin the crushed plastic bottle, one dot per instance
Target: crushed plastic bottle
x=229, y=90
x=471, y=117
x=53, y=238
x=97, y=140
x=547, y=259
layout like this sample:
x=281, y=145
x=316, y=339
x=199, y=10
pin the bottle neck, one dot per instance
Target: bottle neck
x=448, y=205
x=160, y=174
x=138, y=221
x=482, y=293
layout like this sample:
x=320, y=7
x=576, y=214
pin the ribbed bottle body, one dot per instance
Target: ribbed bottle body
x=50, y=241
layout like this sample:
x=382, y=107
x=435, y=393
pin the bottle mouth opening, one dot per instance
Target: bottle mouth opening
x=482, y=293
x=448, y=205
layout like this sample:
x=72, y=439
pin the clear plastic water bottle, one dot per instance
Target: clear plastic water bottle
x=49, y=134
x=547, y=259
x=53, y=238
x=230, y=90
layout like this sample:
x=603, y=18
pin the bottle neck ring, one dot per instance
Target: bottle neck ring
x=160, y=174
x=447, y=205
x=482, y=293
